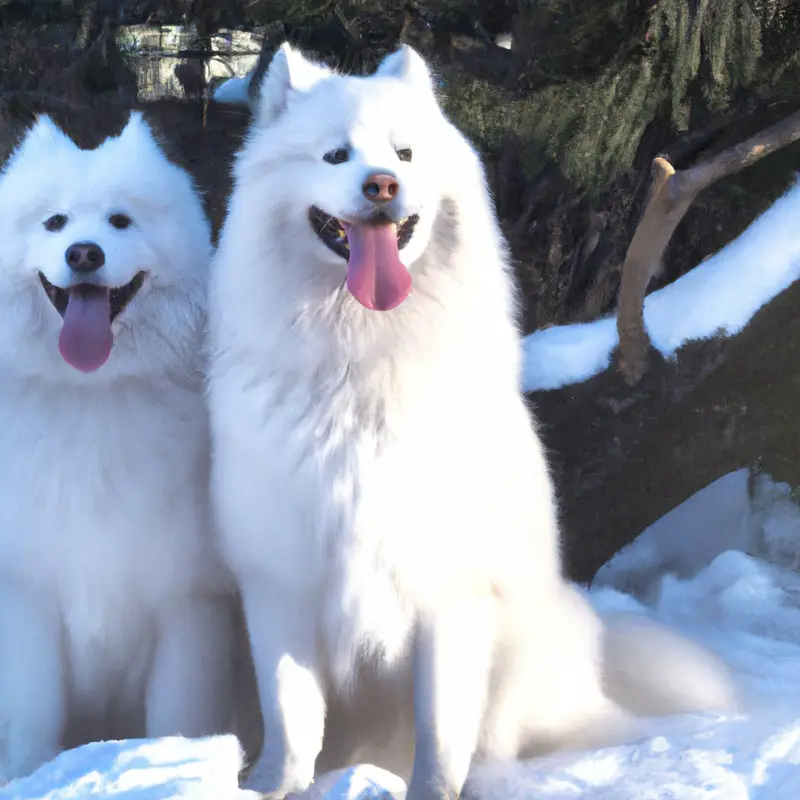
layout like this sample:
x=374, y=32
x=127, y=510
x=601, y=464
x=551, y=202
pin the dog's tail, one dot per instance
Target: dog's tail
x=651, y=670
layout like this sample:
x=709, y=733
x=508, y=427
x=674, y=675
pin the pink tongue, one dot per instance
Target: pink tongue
x=86, y=339
x=375, y=275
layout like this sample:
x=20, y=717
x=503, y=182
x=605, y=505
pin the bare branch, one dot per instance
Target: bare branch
x=742, y=155
x=670, y=196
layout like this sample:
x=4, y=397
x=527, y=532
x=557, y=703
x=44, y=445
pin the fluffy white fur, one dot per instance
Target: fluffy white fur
x=115, y=610
x=382, y=495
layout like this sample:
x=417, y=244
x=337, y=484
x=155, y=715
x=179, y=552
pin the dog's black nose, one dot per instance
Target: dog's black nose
x=380, y=188
x=85, y=257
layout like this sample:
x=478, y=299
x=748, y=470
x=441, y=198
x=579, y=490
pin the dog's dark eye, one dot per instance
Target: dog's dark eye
x=404, y=154
x=120, y=221
x=55, y=223
x=337, y=156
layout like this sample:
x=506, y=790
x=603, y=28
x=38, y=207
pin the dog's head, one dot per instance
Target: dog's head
x=351, y=171
x=104, y=256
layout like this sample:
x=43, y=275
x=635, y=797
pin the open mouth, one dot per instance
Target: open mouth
x=333, y=232
x=118, y=297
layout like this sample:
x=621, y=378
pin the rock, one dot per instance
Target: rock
x=684, y=541
x=624, y=457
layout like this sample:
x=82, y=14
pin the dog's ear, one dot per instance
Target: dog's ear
x=289, y=73
x=44, y=136
x=407, y=65
x=138, y=134
x=138, y=142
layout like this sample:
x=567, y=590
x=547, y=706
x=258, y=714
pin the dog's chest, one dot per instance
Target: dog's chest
x=367, y=612
x=383, y=485
x=92, y=486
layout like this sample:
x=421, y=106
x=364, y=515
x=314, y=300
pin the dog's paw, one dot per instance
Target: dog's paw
x=278, y=781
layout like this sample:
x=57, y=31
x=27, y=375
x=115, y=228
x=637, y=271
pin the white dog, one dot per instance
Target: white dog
x=382, y=496
x=115, y=611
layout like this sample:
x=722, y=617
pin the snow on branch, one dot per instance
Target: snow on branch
x=670, y=195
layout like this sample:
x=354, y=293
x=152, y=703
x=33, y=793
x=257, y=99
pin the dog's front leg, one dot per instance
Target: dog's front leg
x=282, y=627
x=191, y=680
x=452, y=664
x=32, y=702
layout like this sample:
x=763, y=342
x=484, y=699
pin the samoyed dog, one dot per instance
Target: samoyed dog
x=382, y=496
x=115, y=611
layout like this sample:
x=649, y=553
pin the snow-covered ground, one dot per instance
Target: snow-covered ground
x=723, y=567
x=720, y=295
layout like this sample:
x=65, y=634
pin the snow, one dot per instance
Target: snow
x=720, y=295
x=233, y=91
x=722, y=567
x=199, y=769
x=747, y=608
x=360, y=782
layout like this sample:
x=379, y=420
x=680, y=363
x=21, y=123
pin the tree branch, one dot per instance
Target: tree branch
x=670, y=195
